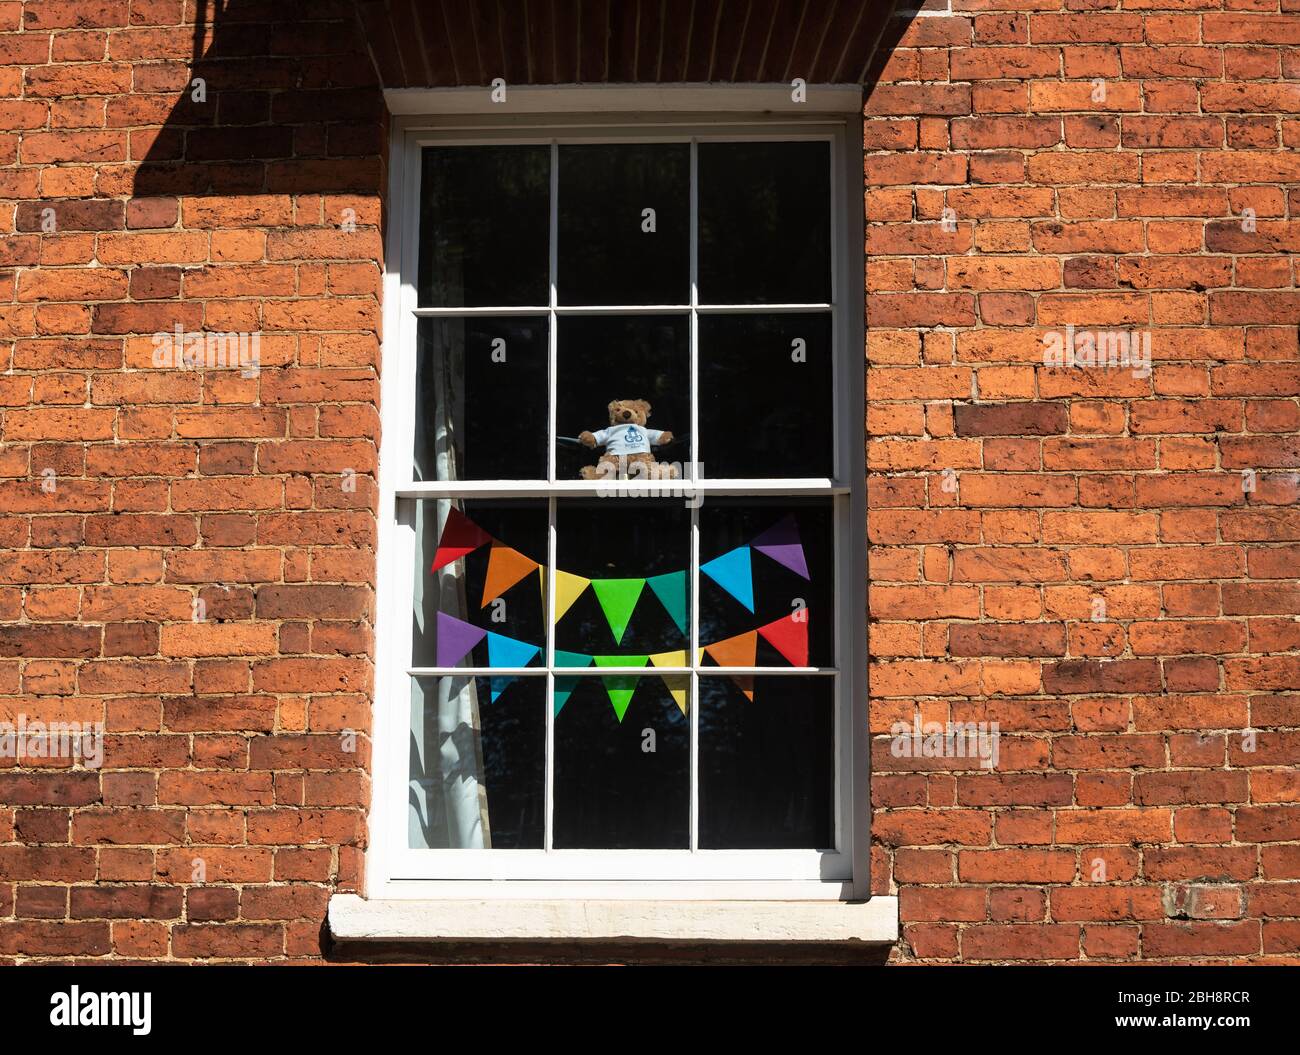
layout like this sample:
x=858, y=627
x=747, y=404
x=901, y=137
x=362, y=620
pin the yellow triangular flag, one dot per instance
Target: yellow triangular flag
x=568, y=588
x=678, y=685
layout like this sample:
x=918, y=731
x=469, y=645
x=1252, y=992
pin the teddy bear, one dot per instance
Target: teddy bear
x=627, y=444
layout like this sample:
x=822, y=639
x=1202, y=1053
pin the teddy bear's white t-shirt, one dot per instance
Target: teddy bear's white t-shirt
x=627, y=439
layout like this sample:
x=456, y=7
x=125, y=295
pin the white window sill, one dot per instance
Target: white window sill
x=356, y=919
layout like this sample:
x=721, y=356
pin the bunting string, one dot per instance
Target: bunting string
x=732, y=572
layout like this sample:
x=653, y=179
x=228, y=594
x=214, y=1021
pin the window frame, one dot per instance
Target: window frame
x=464, y=117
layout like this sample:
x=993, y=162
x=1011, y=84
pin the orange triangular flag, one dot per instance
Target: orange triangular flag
x=738, y=651
x=506, y=567
x=745, y=683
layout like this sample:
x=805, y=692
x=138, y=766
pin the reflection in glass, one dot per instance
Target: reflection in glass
x=477, y=763
x=624, y=574
x=624, y=224
x=485, y=226
x=478, y=582
x=621, y=784
x=607, y=358
x=480, y=408
x=765, y=219
x=765, y=396
x=766, y=763
x=767, y=586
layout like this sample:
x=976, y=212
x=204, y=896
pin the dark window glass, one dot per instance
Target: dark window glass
x=766, y=765
x=621, y=785
x=601, y=359
x=754, y=596
x=477, y=767
x=480, y=410
x=635, y=552
x=624, y=224
x=485, y=226
x=481, y=606
x=765, y=396
x=764, y=223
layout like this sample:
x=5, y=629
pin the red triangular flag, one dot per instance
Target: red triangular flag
x=460, y=536
x=789, y=636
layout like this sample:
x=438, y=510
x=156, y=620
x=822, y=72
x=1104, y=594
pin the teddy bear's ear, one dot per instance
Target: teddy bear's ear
x=645, y=407
x=613, y=405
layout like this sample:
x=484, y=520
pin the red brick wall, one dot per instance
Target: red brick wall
x=1122, y=739
x=228, y=807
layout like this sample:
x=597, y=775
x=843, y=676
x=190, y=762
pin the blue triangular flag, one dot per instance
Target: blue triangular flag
x=733, y=572
x=499, y=684
x=507, y=652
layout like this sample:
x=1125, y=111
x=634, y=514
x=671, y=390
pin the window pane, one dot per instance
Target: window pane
x=766, y=407
x=622, y=781
x=622, y=586
x=766, y=762
x=624, y=224
x=478, y=578
x=602, y=359
x=485, y=226
x=765, y=218
x=766, y=582
x=478, y=763
x=481, y=391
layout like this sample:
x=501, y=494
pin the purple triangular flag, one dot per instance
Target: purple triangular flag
x=781, y=543
x=455, y=638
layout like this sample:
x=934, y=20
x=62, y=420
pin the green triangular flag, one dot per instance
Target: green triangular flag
x=621, y=686
x=671, y=591
x=617, y=599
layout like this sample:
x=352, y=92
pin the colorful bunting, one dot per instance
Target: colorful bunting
x=455, y=639
x=571, y=659
x=498, y=684
x=568, y=588
x=508, y=652
x=617, y=599
x=781, y=543
x=738, y=651
x=734, y=573
x=460, y=536
x=506, y=567
x=671, y=591
x=789, y=636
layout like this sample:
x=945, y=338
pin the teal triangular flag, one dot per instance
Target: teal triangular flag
x=499, y=684
x=563, y=687
x=671, y=591
x=571, y=659
x=734, y=573
x=507, y=652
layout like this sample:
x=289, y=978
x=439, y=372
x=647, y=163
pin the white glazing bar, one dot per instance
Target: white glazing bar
x=693, y=696
x=598, y=672
x=549, y=636
x=552, y=341
x=548, y=631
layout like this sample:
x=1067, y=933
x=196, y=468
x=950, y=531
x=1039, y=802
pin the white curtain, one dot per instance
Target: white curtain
x=447, y=793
